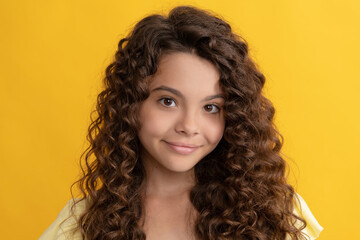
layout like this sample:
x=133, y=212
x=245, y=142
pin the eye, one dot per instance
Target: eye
x=211, y=108
x=167, y=102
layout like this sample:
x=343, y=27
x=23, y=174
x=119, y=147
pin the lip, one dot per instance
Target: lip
x=182, y=148
x=182, y=144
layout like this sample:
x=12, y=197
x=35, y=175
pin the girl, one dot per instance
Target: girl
x=184, y=144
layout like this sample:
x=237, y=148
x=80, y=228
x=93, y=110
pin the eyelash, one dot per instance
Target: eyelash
x=169, y=98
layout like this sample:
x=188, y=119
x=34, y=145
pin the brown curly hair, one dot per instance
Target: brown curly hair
x=243, y=195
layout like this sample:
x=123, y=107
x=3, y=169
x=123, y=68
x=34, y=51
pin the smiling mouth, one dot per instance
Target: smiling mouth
x=181, y=149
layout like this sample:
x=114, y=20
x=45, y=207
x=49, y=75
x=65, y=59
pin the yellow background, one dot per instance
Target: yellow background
x=53, y=54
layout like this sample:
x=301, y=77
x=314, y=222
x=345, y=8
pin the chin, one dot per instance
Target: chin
x=180, y=167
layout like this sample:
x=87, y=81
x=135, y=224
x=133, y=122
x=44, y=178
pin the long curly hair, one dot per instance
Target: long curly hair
x=241, y=190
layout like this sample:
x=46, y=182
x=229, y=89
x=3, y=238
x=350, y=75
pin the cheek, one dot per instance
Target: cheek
x=215, y=131
x=154, y=123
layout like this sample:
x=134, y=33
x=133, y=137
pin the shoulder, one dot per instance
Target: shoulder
x=65, y=225
x=313, y=228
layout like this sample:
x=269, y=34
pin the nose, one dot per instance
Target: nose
x=188, y=123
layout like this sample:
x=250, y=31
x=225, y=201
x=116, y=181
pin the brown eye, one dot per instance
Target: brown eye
x=212, y=108
x=167, y=102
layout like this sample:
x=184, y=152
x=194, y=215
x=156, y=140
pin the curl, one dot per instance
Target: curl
x=243, y=195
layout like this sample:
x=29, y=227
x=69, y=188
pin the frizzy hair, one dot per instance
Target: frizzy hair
x=241, y=190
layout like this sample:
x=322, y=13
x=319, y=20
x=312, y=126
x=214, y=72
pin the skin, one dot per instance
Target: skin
x=192, y=116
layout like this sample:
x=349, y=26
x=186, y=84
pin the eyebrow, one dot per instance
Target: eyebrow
x=179, y=94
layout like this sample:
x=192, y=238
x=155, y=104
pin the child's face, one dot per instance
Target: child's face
x=183, y=109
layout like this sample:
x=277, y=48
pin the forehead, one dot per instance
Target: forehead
x=186, y=71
